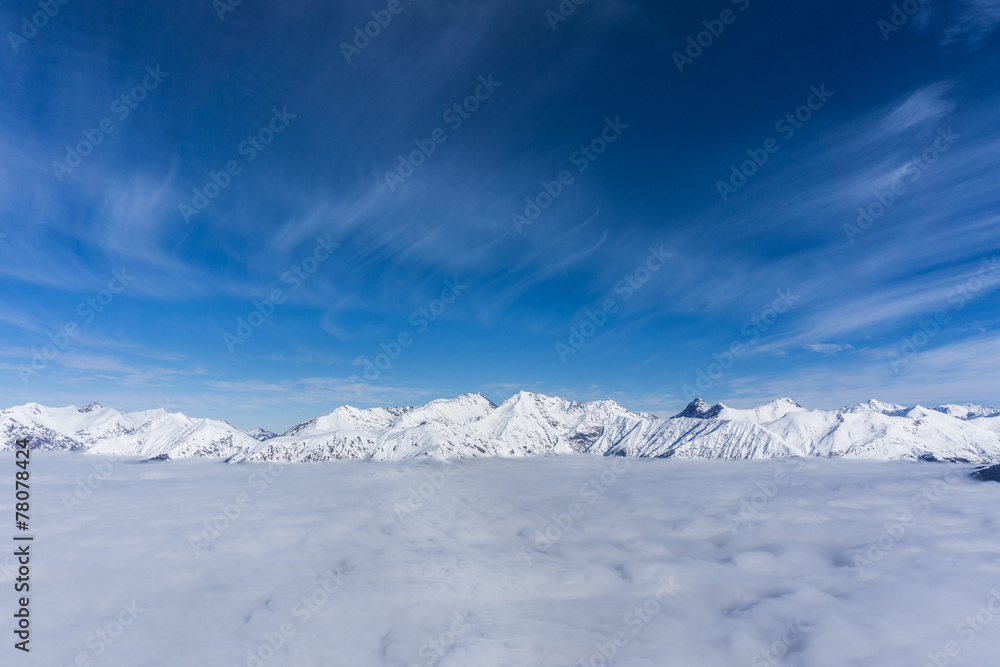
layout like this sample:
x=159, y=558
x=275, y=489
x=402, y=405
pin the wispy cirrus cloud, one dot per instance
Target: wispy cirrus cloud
x=966, y=22
x=829, y=348
x=325, y=175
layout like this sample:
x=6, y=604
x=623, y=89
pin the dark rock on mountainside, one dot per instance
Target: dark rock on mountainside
x=990, y=474
x=699, y=409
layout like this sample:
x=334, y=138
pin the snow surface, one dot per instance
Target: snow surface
x=440, y=563
x=99, y=430
x=528, y=424
x=967, y=411
x=261, y=434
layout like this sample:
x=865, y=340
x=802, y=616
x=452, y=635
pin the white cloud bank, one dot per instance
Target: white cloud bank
x=661, y=562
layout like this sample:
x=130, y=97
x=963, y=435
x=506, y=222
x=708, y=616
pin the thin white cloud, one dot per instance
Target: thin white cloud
x=928, y=105
x=829, y=348
x=972, y=22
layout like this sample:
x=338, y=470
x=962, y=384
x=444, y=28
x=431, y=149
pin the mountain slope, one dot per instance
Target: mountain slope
x=874, y=430
x=528, y=424
x=99, y=430
x=968, y=411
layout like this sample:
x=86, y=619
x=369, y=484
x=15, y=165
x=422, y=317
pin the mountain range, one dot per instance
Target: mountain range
x=527, y=424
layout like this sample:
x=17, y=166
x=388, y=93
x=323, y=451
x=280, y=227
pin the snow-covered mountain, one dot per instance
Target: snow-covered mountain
x=873, y=430
x=968, y=411
x=529, y=424
x=99, y=430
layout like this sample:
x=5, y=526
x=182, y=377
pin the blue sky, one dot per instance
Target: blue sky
x=170, y=170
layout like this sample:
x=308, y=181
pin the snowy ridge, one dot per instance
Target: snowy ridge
x=968, y=411
x=99, y=430
x=768, y=412
x=261, y=434
x=529, y=424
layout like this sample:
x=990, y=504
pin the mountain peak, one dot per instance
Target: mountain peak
x=527, y=424
x=699, y=409
x=261, y=434
x=474, y=398
x=874, y=405
x=530, y=398
x=967, y=411
x=91, y=407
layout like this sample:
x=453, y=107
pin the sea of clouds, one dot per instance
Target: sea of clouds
x=557, y=562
